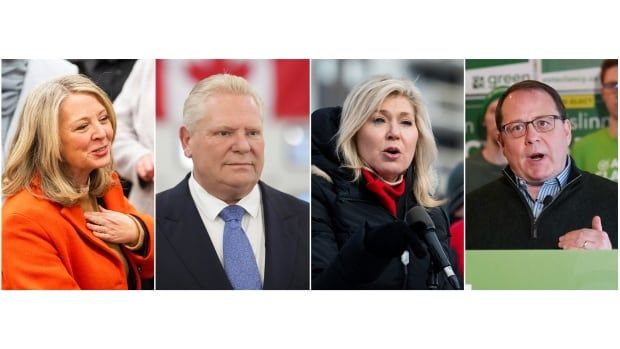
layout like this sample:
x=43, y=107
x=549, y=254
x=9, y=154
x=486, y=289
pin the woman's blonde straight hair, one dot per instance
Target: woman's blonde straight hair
x=361, y=103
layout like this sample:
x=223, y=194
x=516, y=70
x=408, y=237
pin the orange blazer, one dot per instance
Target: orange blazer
x=47, y=246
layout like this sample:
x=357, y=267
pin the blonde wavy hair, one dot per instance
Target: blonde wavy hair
x=361, y=103
x=36, y=149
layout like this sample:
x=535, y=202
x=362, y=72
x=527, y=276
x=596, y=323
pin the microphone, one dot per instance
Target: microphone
x=547, y=200
x=421, y=223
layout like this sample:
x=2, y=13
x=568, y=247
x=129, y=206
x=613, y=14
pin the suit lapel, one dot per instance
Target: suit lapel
x=188, y=237
x=280, y=242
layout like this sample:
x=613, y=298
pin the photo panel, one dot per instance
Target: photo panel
x=541, y=174
x=387, y=174
x=78, y=174
x=234, y=135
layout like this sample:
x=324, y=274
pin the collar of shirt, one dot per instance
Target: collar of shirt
x=551, y=187
x=212, y=206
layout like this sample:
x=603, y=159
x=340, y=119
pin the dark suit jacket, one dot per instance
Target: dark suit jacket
x=186, y=258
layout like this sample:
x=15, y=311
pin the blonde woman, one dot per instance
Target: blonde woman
x=371, y=163
x=65, y=221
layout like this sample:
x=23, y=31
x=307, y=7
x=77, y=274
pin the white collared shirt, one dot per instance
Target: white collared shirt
x=209, y=208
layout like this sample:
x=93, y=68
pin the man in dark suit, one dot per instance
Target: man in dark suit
x=222, y=228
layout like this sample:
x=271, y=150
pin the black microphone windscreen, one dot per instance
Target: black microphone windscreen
x=417, y=217
x=547, y=200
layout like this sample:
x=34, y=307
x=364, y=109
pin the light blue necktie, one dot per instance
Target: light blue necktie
x=239, y=260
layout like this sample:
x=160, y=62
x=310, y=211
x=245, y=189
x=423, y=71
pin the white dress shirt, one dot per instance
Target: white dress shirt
x=209, y=208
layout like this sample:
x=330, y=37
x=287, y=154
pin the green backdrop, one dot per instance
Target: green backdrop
x=577, y=81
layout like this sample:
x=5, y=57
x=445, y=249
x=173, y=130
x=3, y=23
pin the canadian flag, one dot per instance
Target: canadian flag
x=283, y=84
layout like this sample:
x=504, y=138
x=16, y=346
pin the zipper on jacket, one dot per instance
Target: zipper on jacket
x=545, y=207
x=533, y=220
x=533, y=228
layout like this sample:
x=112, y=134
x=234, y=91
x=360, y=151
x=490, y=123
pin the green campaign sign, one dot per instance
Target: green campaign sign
x=577, y=81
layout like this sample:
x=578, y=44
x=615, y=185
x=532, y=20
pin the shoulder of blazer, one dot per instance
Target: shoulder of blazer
x=283, y=200
x=169, y=200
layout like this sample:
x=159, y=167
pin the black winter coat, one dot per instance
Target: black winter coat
x=342, y=212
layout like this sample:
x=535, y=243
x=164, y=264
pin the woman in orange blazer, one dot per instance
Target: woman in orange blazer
x=65, y=222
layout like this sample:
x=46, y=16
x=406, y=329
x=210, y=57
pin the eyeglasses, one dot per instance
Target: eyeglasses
x=613, y=85
x=543, y=123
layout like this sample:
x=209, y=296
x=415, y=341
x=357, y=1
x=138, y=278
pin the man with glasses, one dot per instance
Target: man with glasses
x=598, y=152
x=543, y=200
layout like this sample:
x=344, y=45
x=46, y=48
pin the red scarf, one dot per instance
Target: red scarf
x=387, y=194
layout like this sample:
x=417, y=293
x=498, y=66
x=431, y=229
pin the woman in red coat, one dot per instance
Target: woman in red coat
x=65, y=222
